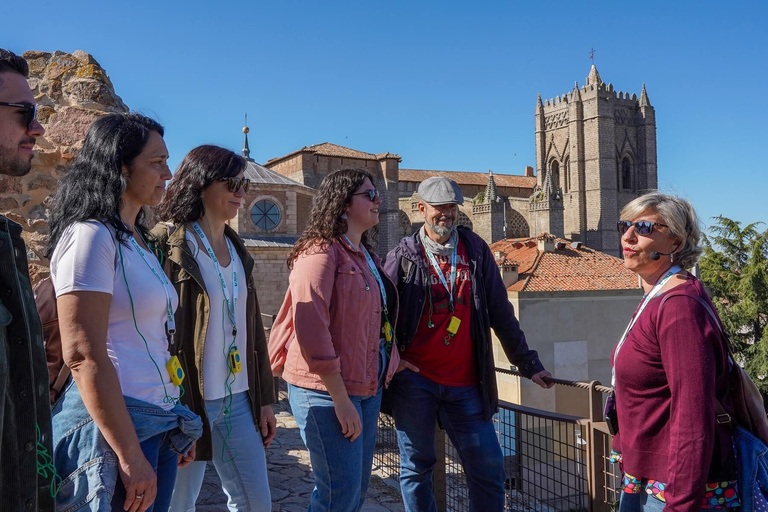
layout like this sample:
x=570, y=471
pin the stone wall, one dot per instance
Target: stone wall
x=270, y=273
x=72, y=90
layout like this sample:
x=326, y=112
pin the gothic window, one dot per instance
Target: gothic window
x=567, y=175
x=554, y=168
x=626, y=174
x=265, y=214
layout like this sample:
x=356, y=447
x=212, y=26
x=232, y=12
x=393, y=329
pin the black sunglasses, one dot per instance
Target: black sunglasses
x=235, y=184
x=30, y=111
x=642, y=227
x=372, y=194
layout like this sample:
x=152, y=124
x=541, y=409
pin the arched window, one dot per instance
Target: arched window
x=567, y=175
x=626, y=174
x=265, y=214
x=554, y=168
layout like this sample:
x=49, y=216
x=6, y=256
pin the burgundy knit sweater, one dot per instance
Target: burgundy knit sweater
x=668, y=373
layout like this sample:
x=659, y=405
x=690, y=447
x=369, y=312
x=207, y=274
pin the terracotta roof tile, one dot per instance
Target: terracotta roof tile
x=565, y=269
x=329, y=149
x=469, y=178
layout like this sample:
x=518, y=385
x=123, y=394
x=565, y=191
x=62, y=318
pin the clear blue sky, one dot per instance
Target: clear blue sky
x=447, y=85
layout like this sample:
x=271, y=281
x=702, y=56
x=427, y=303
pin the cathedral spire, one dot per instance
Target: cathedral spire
x=246, y=150
x=594, y=77
x=491, y=192
x=644, y=101
x=576, y=92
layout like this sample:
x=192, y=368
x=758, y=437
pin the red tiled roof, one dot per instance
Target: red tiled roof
x=566, y=269
x=470, y=178
x=329, y=149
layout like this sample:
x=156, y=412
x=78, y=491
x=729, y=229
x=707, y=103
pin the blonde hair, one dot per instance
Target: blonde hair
x=679, y=215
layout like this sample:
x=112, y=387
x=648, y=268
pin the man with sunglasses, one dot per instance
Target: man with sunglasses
x=451, y=295
x=25, y=417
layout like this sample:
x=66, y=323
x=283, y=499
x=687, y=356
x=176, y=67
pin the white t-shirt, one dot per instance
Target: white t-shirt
x=218, y=338
x=87, y=259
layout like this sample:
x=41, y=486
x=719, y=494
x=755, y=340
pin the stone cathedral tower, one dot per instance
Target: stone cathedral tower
x=595, y=152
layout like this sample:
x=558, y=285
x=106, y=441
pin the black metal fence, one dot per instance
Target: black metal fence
x=553, y=462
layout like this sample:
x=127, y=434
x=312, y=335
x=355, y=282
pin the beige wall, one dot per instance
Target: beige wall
x=574, y=334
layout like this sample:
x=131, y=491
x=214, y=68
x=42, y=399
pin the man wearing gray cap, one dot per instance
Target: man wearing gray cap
x=451, y=295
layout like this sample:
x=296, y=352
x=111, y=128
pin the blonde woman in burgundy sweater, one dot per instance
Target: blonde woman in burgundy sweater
x=669, y=369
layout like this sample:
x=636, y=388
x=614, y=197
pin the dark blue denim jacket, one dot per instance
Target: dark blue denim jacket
x=752, y=468
x=85, y=461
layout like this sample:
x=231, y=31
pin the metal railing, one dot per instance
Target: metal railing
x=552, y=461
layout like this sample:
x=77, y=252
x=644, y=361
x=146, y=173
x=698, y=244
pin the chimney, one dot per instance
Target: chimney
x=529, y=171
x=508, y=268
x=546, y=242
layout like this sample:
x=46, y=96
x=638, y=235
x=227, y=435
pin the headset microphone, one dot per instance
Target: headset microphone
x=656, y=255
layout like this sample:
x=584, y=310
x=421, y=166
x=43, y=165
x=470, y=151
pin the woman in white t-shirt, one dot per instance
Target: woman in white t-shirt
x=222, y=345
x=116, y=425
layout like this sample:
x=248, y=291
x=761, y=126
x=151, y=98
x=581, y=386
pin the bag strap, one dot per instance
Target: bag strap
x=721, y=416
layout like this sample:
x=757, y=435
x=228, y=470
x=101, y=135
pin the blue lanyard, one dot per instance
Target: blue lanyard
x=440, y=275
x=230, y=301
x=654, y=292
x=171, y=322
x=375, y=272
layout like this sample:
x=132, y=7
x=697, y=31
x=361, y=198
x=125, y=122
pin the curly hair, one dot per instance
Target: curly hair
x=328, y=206
x=183, y=199
x=94, y=184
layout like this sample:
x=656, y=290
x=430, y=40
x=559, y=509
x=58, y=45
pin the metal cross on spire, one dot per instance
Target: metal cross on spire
x=592, y=55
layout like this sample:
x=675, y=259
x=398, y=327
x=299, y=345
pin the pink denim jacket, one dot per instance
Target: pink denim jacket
x=332, y=310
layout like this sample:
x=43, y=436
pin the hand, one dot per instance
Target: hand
x=346, y=412
x=268, y=425
x=140, y=482
x=189, y=458
x=539, y=379
x=405, y=364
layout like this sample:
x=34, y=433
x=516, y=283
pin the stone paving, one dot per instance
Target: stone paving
x=290, y=476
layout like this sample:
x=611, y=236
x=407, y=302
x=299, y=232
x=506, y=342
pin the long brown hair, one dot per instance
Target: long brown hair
x=328, y=206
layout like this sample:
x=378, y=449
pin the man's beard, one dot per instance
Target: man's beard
x=440, y=230
x=13, y=165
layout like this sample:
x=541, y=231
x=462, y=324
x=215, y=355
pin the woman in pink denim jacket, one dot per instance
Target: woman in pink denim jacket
x=333, y=339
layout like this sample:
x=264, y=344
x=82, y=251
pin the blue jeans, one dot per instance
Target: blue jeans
x=418, y=403
x=243, y=469
x=342, y=468
x=157, y=450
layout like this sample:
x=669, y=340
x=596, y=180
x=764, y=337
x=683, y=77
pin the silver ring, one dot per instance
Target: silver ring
x=139, y=496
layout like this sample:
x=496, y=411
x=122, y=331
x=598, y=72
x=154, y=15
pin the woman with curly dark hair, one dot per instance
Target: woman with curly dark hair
x=119, y=430
x=333, y=340
x=218, y=320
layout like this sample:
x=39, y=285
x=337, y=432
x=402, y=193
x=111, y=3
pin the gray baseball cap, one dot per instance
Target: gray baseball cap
x=440, y=190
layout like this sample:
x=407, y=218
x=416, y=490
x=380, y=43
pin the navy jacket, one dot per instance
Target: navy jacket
x=409, y=269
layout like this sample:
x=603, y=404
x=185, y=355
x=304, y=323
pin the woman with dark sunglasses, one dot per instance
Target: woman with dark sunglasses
x=333, y=340
x=220, y=336
x=670, y=368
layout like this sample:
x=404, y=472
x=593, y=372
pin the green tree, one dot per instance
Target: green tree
x=735, y=268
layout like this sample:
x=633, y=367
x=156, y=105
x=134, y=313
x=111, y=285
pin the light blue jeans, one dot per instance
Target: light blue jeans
x=342, y=468
x=243, y=470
